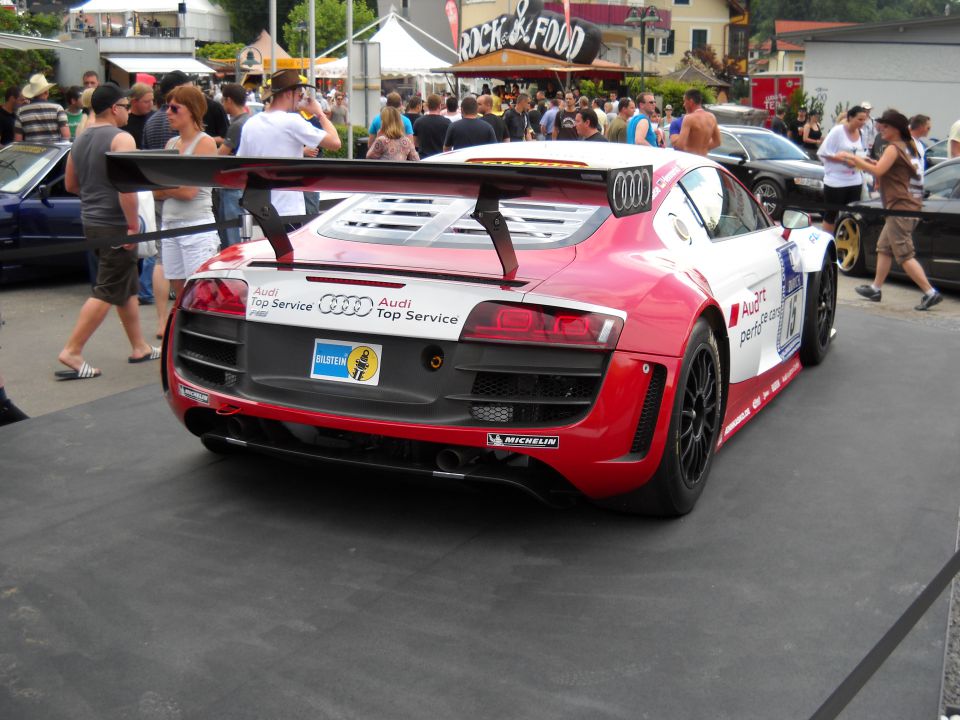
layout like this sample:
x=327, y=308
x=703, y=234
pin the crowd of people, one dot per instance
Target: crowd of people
x=442, y=124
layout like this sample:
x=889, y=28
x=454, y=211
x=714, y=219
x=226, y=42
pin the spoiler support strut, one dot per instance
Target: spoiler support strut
x=487, y=213
x=256, y=201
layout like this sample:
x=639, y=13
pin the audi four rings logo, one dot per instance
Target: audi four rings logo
x=345, y=305
x=628, y=190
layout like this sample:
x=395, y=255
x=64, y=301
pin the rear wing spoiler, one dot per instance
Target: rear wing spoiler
x=626, y=190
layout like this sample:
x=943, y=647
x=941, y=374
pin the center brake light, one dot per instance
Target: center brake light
x=223, y=296
x=539, y=324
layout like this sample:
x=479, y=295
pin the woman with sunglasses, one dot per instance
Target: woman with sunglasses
x=184, y=206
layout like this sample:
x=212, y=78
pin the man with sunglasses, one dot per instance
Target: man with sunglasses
x=105, y=213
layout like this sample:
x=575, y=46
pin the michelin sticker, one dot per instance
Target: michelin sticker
x=346, y=362
x=542, y=442
x=791, y=309
x=190, y=394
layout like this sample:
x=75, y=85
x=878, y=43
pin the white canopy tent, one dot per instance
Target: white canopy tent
x=400, y=56
x=204, y=20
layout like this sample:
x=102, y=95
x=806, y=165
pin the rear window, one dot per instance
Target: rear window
x=20, y=164
x=445, y=222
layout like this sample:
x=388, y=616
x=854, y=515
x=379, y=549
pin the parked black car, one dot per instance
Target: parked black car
x=773, y=168
x=36, y=211
x=937, y=241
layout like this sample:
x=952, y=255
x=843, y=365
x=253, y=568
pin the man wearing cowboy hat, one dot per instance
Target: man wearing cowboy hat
x=40, y=120
x=281, y=131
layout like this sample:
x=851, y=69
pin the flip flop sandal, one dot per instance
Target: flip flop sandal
x=84, y=372
x=153, y=355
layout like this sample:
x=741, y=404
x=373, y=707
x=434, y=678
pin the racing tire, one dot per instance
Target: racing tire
x=694, y=427
x=770, y=195
x=851, y=257
x=819, y=311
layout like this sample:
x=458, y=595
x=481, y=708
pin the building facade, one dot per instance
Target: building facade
x=685, y=25
x=909, y=65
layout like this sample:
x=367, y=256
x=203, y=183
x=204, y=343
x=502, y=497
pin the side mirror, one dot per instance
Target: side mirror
x=740, y=155
x=796, y=220
x=44, y=192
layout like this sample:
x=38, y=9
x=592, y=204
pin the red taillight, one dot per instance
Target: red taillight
x=537, y=324
x=215, y=295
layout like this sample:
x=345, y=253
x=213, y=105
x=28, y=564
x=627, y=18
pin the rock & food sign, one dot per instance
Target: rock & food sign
x=533, y=29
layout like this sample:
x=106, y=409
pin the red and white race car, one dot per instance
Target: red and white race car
x=575, y=319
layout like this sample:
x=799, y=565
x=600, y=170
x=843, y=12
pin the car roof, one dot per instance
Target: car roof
x=746, y=129
x=603, y=156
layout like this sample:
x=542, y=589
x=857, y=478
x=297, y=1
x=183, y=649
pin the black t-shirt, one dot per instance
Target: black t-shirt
x=778, y=126
x=566, y=125
x=135, y=125
x=7, y=121
x=596, y=137
x=430, y=131
x=517, y=124
x=413, y=117
x=534, y=117
x=215, y=122
x=499, y=127
x=796, y=128
x=468, y=132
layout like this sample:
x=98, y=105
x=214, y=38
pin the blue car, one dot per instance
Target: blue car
x=36, y=211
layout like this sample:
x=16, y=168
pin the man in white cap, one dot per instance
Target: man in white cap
x=869, y=130
x=40, y=120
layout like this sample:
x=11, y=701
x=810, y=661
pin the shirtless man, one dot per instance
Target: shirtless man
x=699, y=133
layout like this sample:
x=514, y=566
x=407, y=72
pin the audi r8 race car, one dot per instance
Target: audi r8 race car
x=572, y=319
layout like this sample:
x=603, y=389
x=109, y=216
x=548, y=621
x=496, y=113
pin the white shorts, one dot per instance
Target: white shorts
x=183, y=255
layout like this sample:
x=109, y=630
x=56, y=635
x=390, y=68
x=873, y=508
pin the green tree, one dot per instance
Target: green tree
x=331, y=16
x=16, y=66
x=249, y=17
x=220, y=51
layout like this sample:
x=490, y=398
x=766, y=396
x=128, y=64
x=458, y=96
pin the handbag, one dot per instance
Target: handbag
x=148, y=223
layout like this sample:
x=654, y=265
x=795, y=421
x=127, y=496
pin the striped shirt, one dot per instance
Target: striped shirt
x=156, y=131
x=40, y=121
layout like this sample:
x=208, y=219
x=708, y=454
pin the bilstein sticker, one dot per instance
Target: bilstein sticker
x=543, y=442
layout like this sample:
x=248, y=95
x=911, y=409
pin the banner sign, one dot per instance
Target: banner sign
x=535, y=30
x=451, y=9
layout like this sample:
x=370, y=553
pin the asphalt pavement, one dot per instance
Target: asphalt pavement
x=142, y=577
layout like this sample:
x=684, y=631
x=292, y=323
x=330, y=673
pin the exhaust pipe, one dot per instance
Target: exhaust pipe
x=238, y=427
x=452, y=459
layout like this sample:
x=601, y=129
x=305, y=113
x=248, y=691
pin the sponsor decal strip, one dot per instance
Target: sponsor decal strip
x=540, y=442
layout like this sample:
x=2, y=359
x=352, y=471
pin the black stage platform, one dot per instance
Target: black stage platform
x=141, y=577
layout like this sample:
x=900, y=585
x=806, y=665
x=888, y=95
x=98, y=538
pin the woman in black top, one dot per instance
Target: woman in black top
x=812, y=135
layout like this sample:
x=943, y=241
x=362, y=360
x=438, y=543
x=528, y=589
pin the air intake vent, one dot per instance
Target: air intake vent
x=651, y=409
x=446, y=222
x=512, y=398
x=208, y=351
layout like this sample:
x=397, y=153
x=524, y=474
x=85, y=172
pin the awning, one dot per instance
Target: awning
x=160, y=65
x=525, y=65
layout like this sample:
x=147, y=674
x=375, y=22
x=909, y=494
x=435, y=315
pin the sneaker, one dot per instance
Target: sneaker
x=929, y=300
x=869, y=292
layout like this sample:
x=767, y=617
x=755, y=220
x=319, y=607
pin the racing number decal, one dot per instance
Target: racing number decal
x=791, y=307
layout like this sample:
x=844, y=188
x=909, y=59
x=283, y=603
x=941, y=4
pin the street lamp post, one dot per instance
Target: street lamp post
x=642, y=17
x=247, y=59
x=302, y=29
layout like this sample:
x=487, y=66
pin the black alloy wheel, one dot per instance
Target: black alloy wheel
x=699, y=417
